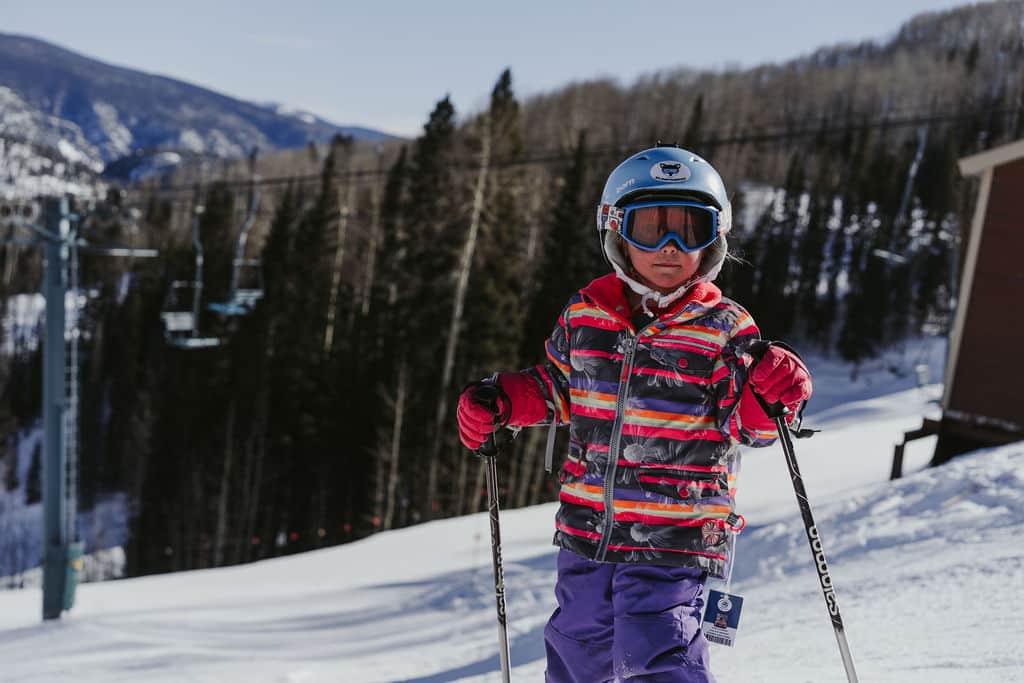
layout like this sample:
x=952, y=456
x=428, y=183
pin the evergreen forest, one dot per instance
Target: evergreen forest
x=394, y=275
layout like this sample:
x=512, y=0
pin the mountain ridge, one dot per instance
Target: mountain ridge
x=108, y=112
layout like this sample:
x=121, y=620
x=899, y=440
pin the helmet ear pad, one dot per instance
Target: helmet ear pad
x=614, y=248
x=713, y=257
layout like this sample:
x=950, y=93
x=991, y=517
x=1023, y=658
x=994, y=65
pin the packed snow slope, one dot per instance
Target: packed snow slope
x=929, y=572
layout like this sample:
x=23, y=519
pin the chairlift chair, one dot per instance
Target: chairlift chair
x=246, y=274
x=180, y=312
x=179, y=318
x=246, y=289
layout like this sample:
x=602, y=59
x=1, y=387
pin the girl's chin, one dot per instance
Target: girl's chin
x=667, y=286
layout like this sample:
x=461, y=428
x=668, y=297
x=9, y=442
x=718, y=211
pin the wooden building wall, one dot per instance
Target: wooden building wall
x=987, y=391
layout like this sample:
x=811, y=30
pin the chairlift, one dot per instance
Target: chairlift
x=180, y=312
x=15, y=211
x=246, y=289
x=246, y=274
x=16, y=214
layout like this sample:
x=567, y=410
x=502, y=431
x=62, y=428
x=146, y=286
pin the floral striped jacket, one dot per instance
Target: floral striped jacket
x=654, y=432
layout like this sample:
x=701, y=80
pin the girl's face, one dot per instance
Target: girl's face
x=664, y=270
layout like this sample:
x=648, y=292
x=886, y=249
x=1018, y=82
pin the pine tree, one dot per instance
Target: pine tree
x=739, y=275
x=570, y=257
x=811, y=318
x=571, y=254
x=694, y=126
x=774, y=307
x=34, y=481
x=302, y=373
x=11, y=473
x=279, y=400
x=436, y=230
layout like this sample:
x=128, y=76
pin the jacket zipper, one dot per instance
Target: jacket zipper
x=613, y=450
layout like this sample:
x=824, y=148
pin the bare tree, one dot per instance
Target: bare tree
x=387, y=485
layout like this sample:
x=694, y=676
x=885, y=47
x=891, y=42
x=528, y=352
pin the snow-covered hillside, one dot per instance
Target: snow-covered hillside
x=929, y=572
x=30, y=168
x=56, y=98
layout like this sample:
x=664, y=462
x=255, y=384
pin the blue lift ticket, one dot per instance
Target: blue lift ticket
x=722, y=618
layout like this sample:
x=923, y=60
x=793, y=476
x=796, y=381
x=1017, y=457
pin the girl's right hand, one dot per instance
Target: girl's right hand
x=476, y=420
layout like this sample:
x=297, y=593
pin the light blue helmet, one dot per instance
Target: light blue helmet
x=665, y=172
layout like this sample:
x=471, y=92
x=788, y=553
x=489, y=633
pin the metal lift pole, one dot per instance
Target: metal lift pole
x=197, y=290
x=55, y=550
x=62, y=551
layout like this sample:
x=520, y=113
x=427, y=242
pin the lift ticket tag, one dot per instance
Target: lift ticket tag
x=722, y=617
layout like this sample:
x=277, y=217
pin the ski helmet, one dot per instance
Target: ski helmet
x=664, y=173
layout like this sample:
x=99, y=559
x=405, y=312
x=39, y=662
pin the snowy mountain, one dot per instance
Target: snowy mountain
x=95, y=113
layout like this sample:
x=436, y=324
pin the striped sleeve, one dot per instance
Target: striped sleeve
x=553, y=374
x=730, y=373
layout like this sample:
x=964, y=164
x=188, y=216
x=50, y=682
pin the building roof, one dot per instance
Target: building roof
x=976, y=163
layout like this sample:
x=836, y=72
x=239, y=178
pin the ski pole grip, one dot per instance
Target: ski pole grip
x=488, y=394
x=773, y=410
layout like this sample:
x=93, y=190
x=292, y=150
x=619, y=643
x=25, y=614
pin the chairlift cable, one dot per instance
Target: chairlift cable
x=763, y=134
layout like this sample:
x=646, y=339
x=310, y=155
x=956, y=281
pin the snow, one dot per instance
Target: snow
x=287, y=110
x=19, y=325
x=70, y=152
x=928, y=569
x=22, y=123
x=113, y=135
x=28, y=170
x=103, y=528
x=191, y=140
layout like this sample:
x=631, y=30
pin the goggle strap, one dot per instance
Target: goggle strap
x=609, y=217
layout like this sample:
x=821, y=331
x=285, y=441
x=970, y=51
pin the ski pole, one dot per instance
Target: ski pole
x=488, y=394
x=778, y=412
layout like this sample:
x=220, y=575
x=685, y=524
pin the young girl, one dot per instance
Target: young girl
x=649, y=367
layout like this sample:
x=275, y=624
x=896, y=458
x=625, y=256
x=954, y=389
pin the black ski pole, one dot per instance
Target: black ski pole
x=778, y=412
x=487, y=394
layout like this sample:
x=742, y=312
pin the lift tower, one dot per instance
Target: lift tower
x=52, y=226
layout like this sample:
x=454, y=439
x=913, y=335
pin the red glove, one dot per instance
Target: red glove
x=519, y=404
x=779, y=377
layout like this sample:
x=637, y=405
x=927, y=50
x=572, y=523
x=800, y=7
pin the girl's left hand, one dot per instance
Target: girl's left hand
x=780, y=376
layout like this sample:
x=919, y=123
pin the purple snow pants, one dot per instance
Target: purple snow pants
x=626, y=622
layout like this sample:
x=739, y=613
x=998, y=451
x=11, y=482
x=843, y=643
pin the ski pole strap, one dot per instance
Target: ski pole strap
x=799, y=431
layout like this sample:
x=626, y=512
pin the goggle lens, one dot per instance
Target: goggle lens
x=652, y=226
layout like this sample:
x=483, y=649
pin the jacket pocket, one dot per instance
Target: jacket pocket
x=693, y=484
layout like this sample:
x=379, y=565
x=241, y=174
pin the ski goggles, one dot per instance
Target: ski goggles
x=649, y=226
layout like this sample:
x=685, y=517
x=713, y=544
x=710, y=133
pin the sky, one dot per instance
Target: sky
x=384, y=64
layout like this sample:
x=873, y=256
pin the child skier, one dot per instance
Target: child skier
x=650, y=368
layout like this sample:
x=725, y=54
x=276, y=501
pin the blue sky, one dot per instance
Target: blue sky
x=383, y=64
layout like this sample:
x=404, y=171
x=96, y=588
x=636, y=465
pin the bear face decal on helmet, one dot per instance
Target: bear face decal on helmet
x=670, y=172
